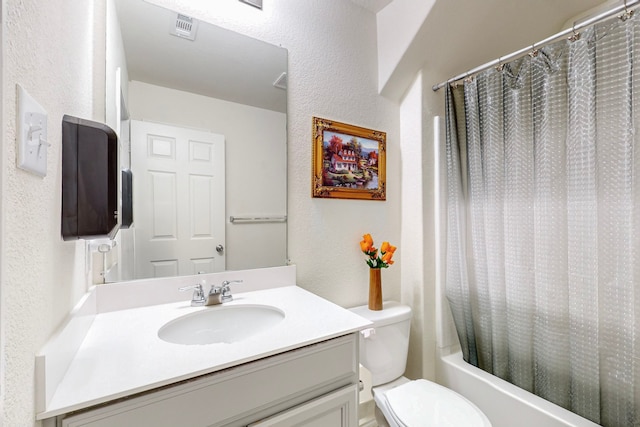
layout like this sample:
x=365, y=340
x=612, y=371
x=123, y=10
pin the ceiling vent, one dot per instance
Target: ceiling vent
x=184, y=27
x=281, y=81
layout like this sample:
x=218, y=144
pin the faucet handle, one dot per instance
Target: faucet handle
x=198, y=293
x=226, y=283
x=197, y=287
x=226, y=290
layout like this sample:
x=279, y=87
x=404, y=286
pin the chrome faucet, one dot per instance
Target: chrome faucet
x=199, y=299
x=225, y=290
x=216, y=295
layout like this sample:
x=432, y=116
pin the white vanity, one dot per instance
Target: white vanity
x=300, y=370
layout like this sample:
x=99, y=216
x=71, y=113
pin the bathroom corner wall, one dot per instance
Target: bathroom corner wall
x=413, y=289
x=333, y=75
x=433, y=169
x=421, y=216
x=55, y=50
x=3, y=163
x=430, y=182
x=397, y=62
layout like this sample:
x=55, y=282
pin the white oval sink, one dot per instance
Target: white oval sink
x=221, y=324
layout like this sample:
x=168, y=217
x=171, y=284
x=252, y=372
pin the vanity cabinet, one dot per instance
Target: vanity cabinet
x=315, y=385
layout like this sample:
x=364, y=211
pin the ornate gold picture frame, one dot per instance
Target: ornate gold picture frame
x=349, y=162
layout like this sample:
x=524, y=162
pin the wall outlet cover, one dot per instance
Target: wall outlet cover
x=31, y=135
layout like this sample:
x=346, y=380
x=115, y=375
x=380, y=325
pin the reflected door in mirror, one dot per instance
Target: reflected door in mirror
x=178, y=177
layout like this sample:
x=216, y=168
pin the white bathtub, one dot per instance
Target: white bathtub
x=505, y=404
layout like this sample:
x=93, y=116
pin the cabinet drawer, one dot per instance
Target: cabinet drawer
x=241, y=394
x=337, y=409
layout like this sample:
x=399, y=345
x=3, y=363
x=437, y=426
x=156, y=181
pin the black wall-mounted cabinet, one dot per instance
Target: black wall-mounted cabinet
x=89, y=179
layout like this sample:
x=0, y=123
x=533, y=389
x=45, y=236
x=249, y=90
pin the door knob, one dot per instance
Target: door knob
x=220, y=249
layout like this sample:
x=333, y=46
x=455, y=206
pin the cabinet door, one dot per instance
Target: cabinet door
x=336, y=409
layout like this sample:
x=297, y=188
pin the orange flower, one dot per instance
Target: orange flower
x=386, y=247
x=386, y=250
x=367, y=243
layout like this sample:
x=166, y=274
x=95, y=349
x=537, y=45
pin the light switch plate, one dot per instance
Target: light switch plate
x=31, y=135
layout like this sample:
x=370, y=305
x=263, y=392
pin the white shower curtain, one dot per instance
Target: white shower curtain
x=543, y=234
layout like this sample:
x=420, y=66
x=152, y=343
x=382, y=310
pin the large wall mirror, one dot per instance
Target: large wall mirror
x=201, y=117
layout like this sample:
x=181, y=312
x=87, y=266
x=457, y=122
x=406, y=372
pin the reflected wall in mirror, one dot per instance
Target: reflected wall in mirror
x=202, y=125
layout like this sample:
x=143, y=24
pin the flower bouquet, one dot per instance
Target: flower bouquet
x=376, y=261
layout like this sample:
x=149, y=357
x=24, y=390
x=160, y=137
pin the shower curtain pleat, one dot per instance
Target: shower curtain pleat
x=480, y=304
x=490, y=100
x=543, y=217
x=518, y=222
x=457, y=292
x=582, y=226
x=636, y=218
x=551, y=323
x=615, y=155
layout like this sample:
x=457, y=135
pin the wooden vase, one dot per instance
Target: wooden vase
x=375, y=289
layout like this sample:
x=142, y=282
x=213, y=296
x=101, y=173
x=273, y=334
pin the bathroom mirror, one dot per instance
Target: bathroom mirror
x=166, y=73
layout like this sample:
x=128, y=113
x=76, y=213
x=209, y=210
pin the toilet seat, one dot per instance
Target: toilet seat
x=427, y=404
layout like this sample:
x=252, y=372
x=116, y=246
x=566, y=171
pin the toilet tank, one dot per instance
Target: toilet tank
x=383, y=348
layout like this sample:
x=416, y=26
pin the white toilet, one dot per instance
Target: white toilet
x=405, y=403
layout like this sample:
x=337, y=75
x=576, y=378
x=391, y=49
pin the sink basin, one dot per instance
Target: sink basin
x=221, y=324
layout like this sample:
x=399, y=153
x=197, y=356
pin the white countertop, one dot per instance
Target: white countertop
x=122, y=354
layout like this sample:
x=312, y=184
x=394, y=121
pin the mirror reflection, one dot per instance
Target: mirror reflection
x=201, y=114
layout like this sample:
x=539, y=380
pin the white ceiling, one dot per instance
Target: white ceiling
x=456, y=36
x=462, y=34
x=373, y=5
x=459, y=35
x=219, y=63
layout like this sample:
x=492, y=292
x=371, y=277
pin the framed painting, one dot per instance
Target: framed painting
x=349, y=162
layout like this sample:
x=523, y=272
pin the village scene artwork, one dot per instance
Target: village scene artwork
x=349, y=161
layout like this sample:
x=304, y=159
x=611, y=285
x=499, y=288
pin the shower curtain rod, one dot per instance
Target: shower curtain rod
x=623, y=7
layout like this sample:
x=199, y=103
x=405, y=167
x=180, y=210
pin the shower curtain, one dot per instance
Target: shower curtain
x=543, y=221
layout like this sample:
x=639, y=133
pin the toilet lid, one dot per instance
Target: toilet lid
x=424, y=403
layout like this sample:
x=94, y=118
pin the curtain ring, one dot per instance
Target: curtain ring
x=534, y=51
x=500, y=65
x=468, y=78
x=576, y=35
x=627, y=13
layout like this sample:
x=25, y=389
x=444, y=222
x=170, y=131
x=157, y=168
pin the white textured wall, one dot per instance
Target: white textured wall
x=48, y=48
x=412, y=221
x=332, y=74
x=255, y=140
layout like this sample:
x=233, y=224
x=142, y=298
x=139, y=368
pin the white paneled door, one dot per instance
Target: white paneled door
x=178, y=200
